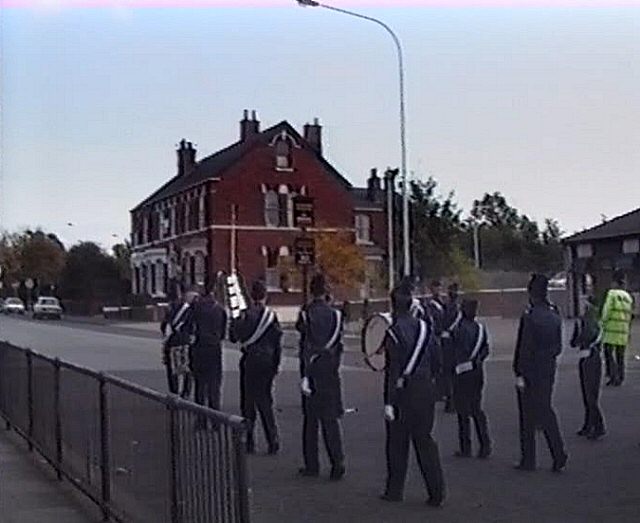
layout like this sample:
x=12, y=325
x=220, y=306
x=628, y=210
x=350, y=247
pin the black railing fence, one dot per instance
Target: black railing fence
x=139, y=455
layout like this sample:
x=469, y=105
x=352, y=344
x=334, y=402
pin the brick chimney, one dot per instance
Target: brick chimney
x=373, y=186
x=313, y=135
x=186, y=157
x=249, y=128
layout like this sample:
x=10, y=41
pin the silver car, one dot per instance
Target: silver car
x=47, y=307
x=13, y=306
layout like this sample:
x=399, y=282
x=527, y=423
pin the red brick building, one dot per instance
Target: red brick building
x=243, y=194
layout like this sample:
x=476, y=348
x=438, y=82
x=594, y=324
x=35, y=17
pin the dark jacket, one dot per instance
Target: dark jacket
x=265, y=353
x=208, y=327
x=587, y=334
x=539, y=342
x=319, y=362
x=176, y=329
x=464, y=341
x=435, y=311
x=400, y=342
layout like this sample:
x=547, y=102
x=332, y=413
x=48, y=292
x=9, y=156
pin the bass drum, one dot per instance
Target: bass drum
x=373, y=333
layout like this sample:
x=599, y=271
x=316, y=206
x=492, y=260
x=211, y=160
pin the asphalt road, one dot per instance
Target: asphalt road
x=600, y=483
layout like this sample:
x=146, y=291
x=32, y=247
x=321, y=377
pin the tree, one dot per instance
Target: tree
x=340, y=260
x=9, y=262
x=40, y=256
x=90, y=274
x=437, y=231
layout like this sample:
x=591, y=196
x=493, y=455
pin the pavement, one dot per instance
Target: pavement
x=600, y=483
x=30, y=492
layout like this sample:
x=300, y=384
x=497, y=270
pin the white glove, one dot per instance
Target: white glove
x=389, y=413
x=520, y=383
x=305, y=387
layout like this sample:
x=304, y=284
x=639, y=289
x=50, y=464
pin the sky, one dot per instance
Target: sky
x=540, y=103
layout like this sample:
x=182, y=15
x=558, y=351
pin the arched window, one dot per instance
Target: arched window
x=271, y=209
x=283, y=153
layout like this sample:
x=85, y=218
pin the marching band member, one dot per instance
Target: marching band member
x=320, y=327
x=587, y=335
x=208, y=327
x=451, y=317
x=538, y=345
x=259, y=333
x=412, y=358
x=175, y=347
x=470, y=347
x=417, y=310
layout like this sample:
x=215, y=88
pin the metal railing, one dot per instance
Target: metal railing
x=141, y=456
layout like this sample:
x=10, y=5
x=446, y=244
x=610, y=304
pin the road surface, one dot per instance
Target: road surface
x=600, y=484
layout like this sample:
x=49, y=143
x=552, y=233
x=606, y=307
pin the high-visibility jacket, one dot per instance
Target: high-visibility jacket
x=616, y=317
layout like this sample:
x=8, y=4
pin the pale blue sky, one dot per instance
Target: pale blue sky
x=540, y=104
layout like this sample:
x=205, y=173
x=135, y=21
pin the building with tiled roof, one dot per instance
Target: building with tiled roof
x=595, y=254
x=234, y=209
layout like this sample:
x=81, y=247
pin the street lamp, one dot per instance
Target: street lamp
x=403, y=143
x=476, y=224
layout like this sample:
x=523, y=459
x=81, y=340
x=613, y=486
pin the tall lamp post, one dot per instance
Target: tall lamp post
x=403, y=143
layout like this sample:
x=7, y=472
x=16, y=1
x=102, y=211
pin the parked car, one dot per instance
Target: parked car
x=13, y=306
x=559, y=281
x=47, y=307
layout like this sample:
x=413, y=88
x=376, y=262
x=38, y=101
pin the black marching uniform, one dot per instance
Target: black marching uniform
x=470, y=347
x=320, y=327
x=259, y=333
x=587, y=335
x=175, y=355
x=538, y=345
x=451, y=317
x=208, y=327
x=412, y=359
x=435, y=310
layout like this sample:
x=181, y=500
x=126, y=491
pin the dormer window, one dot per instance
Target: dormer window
x=283, y=153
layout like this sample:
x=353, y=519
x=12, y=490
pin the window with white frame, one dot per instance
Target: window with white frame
x=283, y=153
x=363, y=228
x=271, y=209
x=272, y=272
x=631, y=246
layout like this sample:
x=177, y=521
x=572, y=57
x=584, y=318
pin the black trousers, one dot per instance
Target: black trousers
x=467, y=396
x=590, y=379
x=208, y=384
x=534, y=405
x=331, y=433
x=413, y=424
x=256, y=397
x=614, y=360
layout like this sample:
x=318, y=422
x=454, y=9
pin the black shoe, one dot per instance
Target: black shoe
x=389, y=498
x=306, y=473
x=583, y=432
x=560, y=465
x=462, y=454
x=337, y=473
x=610, y=383
x=484, y=453
x=596, y=435
x=435, y=502
x=524, y=467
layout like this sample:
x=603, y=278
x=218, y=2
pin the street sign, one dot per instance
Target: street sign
x=303, y=216
x=28, y=283
x=304, y=251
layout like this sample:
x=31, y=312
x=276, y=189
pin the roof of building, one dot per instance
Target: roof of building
x=215, y=165
x=626, y=225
